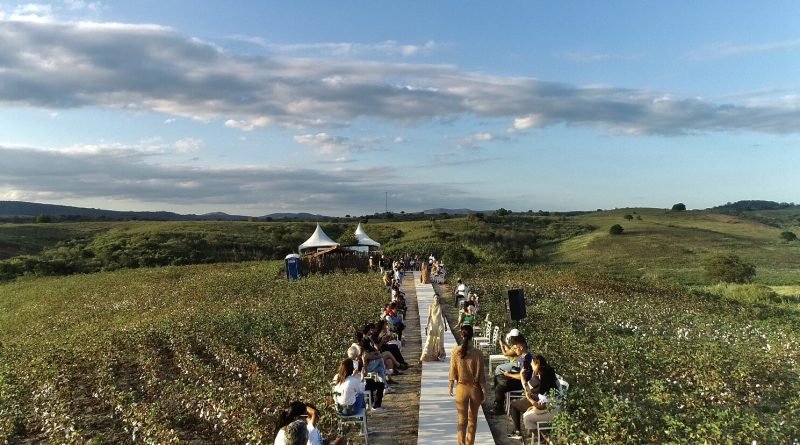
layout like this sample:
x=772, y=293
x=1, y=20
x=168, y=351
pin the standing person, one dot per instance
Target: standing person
x=435, y=329
x=468, y=375
x=425, y=274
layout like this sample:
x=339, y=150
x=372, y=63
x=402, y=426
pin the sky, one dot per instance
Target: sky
x=353, y=107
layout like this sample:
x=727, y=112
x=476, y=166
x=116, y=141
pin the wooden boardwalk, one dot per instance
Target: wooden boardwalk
x=438, y=419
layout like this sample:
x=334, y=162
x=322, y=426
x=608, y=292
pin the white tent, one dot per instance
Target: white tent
x=317, y=240
x=364, y=239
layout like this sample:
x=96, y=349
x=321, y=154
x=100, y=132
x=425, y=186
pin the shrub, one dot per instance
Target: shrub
x=628, y=217
x=789, y=236
x=348, y=239
x=679, y=207
x=729, y=268
x=616, y=229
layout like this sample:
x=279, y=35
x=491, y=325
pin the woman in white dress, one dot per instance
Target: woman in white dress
x=437, y=325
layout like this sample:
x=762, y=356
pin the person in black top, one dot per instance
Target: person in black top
x=536, y=393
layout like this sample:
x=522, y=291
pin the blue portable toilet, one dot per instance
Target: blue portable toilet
x=292, y=266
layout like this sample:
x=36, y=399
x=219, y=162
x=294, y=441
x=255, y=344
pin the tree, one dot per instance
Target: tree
x=501, y=212
x=44, y=219
x=679, y=207
x=789, y=236
x=628, y=217
x=348, y=239
x=729, y=268
x=616, y=229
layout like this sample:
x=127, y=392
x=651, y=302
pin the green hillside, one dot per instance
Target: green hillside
x=674, y=246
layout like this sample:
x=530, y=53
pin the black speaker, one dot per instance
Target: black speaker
x=516, y=304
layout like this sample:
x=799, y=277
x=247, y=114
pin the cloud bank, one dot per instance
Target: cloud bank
x=131, y=173
x=150, y=67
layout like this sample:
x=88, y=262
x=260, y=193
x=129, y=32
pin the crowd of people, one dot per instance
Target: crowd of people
x=375, y=359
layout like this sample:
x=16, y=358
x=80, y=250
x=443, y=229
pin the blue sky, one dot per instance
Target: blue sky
x=259, y=107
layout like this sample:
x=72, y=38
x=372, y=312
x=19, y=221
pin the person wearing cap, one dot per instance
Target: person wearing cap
x=515, y=379
x=508, y=351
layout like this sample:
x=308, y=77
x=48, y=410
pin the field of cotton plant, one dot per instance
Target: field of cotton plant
x=656, y=364
x=191, y=354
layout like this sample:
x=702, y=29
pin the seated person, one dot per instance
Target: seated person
x=348, y=389
x=510, y=380
x=507, y=350
x=383, y=341
x=535, y=404
x=390, y=363
x=395, y=321
x=373, y=362
x=295, y=429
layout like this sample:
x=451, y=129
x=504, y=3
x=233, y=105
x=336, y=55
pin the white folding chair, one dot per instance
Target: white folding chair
x=359, y=417
x=478, y=340
x=491, y=343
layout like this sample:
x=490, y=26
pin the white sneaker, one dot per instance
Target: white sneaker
x=388, y=390
x=378, y=410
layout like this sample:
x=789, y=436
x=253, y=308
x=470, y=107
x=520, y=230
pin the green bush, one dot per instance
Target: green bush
x=745, y=293
x=789, y=236
x=729, y=268
x=679, y=207
x=616, y=229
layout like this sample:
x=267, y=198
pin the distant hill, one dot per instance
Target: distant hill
x=750, y=205
x=449, y=211
x=26, y=210
x=297, y=216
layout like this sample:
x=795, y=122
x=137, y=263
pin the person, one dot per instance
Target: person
x=535, y=404
x=466, y=317
x=382, y=340
x=425, y=274
x=468, y=376
x=435, y=329
x=461, y=290
x=297, y=425
x=514, y=379
x=395, y=321
x=373, y=361
x=389, y=361
x=507, y=350
x=348, y=390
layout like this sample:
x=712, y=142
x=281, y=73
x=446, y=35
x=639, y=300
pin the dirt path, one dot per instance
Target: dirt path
x=399, y=425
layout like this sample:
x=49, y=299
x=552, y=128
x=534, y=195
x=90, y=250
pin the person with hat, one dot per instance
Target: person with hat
x=507, y=350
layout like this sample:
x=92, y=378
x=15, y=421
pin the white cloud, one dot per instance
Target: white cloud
x=529, y=121
x=341, y=49
x=727, y=49
x=150, y=67
x=327, y=144
x=32, y=12
x=170, y=121
x=249, y=125
x=399, y=140
x=189, y=145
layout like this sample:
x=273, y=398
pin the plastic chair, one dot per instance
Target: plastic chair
x=478, y=340
x=359, y=417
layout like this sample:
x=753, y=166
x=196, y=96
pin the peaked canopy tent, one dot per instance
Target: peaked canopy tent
x=317, y=240
x=364, y=240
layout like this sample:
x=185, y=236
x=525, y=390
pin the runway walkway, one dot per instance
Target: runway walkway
x=438, y=419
